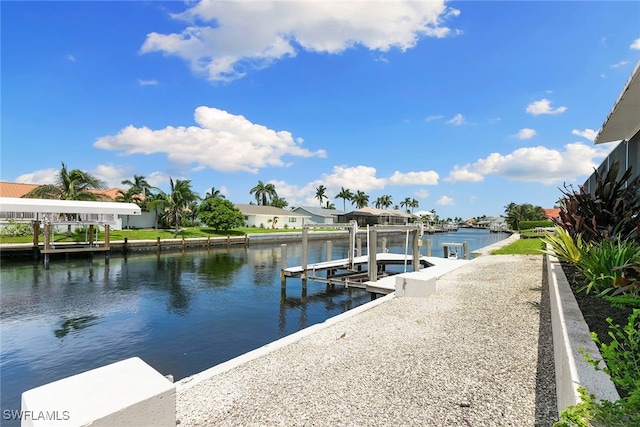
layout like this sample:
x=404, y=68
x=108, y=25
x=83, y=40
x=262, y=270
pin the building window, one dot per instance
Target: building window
x=292, y=219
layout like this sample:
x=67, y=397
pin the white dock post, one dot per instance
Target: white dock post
x=352, y=241
x=465, y=250
x=283, y=264
x=329, y=250
x=428, y=247
x=384, y=245
x=416, y=251
x=373, y=264
x=305, y=244
x=359, y=245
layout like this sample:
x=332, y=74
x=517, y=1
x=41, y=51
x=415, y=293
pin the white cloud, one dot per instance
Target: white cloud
x=445, y=201
x=113, y=175
x=464, y=174
x=589, y=134
x=151, y=82
x=414, y=178
x=635, y=45
x=422, y=193
x=40, y=177
x=224, y=39
x=70, y=58
x=356, y=178
x=544, y=165
x=222, y=141
x=457, y=120
x=525, y=133
x=536, y=164
x=620, y=64
x=544, y=107
x=433, y=117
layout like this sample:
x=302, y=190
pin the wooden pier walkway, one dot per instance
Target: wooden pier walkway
x=341, y=272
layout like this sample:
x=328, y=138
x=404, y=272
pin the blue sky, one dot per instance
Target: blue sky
x=464, y=106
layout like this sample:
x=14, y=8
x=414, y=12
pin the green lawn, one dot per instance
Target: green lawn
x=150, y=234
x=531, y=246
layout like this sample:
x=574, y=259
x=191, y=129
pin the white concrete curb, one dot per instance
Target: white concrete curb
x=570, y=332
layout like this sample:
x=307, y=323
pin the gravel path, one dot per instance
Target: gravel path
x=466, y=356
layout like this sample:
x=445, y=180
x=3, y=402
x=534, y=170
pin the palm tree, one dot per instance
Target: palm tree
x=330, y=205
x=70, y=185
x=129, y=196
x=406, y=203
x=279, y=202
x=273, y=221
x=360, y=199
x=344, y=194
x=177, y=201
x=213, y=194
x=264, y=193
x=320, y=193
x=157, y=203
x=414, y=204
x=139, y=185
x=384, y=201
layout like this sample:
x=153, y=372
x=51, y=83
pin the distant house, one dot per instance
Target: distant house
x=372, y=216
x=271, y=217
x=319, y=215
x=551, y=213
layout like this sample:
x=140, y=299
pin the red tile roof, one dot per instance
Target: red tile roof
x=552, y=213
x=16, y=189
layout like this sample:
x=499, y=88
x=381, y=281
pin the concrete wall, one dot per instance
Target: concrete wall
x=570, y=332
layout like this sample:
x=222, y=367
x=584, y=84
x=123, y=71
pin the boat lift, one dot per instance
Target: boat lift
x=356, y=276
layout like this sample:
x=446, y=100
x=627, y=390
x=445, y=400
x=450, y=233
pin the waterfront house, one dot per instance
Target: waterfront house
x=18, y=190
x=372, y=216
x=271, y=217
x=319, y=215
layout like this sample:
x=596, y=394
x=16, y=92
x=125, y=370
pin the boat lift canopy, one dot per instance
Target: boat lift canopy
x=51, y=206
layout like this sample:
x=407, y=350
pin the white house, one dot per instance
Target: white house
x=271, y=217
x=319, y=215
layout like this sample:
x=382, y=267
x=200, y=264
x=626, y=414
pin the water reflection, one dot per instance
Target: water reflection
x=75, y=324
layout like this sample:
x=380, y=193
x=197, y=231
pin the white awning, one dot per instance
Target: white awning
x=45, y=206
x=624, y=120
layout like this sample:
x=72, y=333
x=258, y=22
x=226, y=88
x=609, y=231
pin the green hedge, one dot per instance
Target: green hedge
x=528, y=225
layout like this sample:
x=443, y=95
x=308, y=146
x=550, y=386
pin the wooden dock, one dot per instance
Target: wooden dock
x=339, y=271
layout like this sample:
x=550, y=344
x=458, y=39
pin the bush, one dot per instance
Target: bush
x=613, y=211
x=529, y=225
x=564, y=246
x=601, y=263
x=622, y=358
x=14, y=228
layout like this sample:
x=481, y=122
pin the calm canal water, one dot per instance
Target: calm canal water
x=180, y=312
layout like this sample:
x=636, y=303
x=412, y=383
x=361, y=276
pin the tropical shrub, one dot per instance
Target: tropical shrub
x=563, y=245
x=629, y=280
x=613, y=210
x=600, y=263
x=622, y=358
x=14, y=228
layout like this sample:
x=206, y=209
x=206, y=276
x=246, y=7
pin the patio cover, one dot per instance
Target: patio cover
x=44, y=206
x=623, y=121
